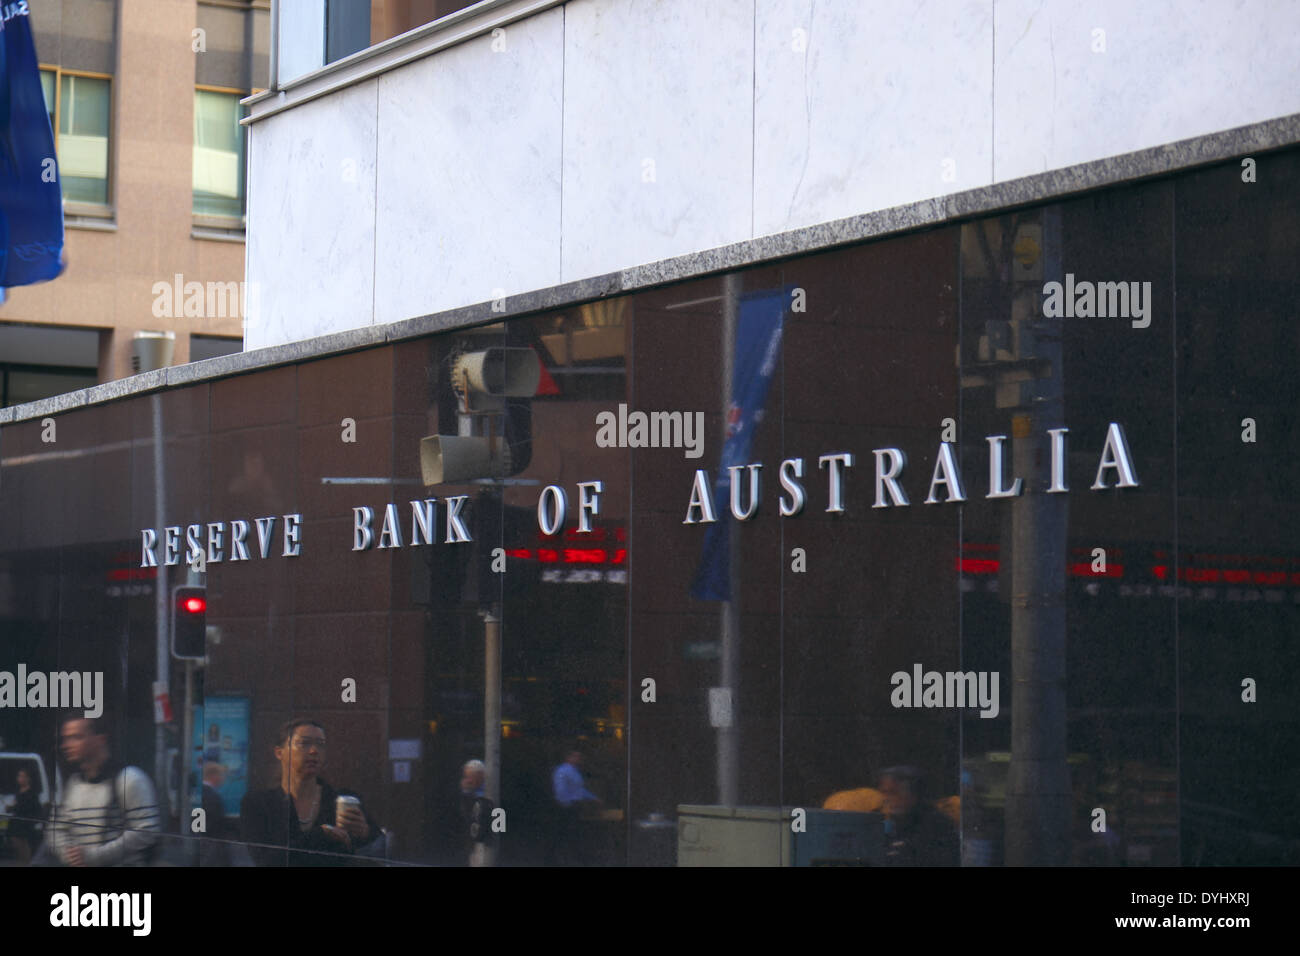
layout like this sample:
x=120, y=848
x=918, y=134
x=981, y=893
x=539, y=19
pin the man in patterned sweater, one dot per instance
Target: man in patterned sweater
x=107, y=815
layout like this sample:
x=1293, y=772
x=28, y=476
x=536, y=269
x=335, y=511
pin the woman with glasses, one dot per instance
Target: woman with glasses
x=300, y=822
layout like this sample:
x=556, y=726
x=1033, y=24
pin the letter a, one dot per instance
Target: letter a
x=1115, y=454
x=902, y=693
x=1248, y=694
x=59, y=915
x=349, y=694
x=700, y=498
x=1052, y=304
x=605, y=430
x=648, y=690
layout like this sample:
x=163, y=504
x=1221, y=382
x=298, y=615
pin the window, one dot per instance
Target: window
x=212, y=346
x=351, y=25
x=31, y=383
x=218, y=154
x=78, y=106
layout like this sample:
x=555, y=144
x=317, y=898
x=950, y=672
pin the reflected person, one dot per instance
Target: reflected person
x=299, y=822
x=476, y=813
x=25, y=817
x=916, y=834
x=569, y=837
x=107, y=813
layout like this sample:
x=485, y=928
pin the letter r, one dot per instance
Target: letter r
x=148, y=539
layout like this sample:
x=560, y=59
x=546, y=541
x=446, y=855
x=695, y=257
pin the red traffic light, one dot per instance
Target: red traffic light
x=194, y=605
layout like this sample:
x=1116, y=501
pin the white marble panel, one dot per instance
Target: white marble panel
x=658, y=130
x=1170, y=70
x=311, y=214
x=861, y=106
x=469, y=172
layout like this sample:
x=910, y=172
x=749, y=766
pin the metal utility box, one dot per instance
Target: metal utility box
x=734, y=836
x=764, y=836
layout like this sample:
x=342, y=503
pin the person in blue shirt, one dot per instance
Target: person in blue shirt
x=568, y=846
x=566, y=782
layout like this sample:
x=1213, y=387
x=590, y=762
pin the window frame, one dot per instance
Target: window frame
x=77, y=208
x=234, y=226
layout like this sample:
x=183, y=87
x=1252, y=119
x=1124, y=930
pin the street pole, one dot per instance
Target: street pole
x=1039, y=795
x=728, y=734
x=162, y=605
x=187, y=763
x=491, y=715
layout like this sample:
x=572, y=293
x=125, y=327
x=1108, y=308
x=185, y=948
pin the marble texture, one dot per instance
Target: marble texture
x=1272, y=134
x=863, y=106
x=1170, y=71
x=670, y=82
x=311, y=213
x=468, y=191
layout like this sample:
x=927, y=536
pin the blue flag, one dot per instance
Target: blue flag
x=758, y=342
x=31, y=202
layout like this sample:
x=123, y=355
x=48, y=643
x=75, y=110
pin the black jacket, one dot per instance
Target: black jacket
x=925, y=837
x=26, y=813
x=269, y=825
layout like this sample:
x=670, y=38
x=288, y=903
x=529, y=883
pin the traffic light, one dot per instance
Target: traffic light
x=189, y=622
x=491, y=389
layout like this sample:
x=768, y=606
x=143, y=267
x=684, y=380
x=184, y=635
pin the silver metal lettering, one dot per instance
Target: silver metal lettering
x=172, y=545
x=422, y=521
x=238, y=532
x=588, y=503
x=362, y=536
x=1115, y=454
x=888, y=478
x=791, y=469
x=292, y=536
x=216, y=541
x=148, y=539
x=1058, y=460
x=551, y=519
x=835, y=474
x=735, y=491
x=265, y=528
x=702, y=498
x=950, y=477
x=390, y=535
x=995, y=471
x=457, y=533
